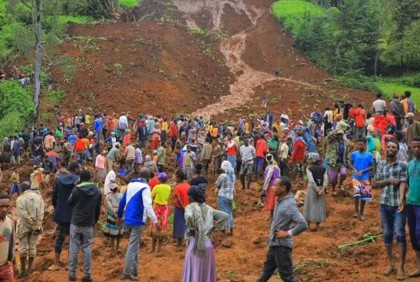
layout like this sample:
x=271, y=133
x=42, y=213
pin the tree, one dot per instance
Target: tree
x=38, y=60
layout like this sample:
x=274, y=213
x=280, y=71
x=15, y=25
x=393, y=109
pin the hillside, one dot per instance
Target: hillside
x=179, y=58
x=212, y=58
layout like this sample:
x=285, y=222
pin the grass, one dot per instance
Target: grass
x=129, y=3
x=389, y=88
x=55, y=96
x=75, y=19
x=291, y=12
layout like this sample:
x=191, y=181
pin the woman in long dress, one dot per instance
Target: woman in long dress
x=180, y=202
x=315, y=209
x=225, y=187
x=113, y=231
x=200, y=264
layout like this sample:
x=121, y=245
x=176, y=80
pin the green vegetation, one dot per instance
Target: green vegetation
x=75, y=19
x=129, y=3
x=16, y=107
x=355, y=37
x=118, y=69
x=292, y=13
x=55, y=96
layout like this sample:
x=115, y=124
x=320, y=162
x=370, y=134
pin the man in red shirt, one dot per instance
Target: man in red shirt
x=298, y=155
x=173, y=134
x=79, y=148
x=261, y=149
x=359, y=122
x=231, y=151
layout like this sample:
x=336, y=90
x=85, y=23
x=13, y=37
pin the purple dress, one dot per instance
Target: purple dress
x=270, y=202
x=199, y=268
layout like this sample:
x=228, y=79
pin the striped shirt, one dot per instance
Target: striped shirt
x=397, y=170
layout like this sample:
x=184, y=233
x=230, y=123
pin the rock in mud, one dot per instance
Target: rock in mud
x=227, y=243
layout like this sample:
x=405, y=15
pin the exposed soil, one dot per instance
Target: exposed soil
x=169, y=66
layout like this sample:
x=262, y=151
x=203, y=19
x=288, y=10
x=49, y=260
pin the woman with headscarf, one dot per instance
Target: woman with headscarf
x=225, y=189
x=272, y=172
x=160, y=197
x=201, y=219
x=112, y=230
x=314, y=209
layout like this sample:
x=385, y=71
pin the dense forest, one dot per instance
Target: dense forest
x=358, y=39
x=18, y=47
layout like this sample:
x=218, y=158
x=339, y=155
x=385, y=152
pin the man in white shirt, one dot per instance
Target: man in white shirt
x=379, y=105
x=136, y=206
x=111, y=178
x=122, y=124
x=248, y=156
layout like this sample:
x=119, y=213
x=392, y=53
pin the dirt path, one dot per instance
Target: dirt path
x=246, y=77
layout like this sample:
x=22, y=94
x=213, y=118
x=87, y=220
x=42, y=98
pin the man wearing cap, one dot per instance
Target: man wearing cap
x=413, y=128
x=136, y=206
x=30, y=213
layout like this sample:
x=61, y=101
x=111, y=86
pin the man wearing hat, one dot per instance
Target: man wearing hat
x=336, y=149
x=413, y=128
x=30, y=213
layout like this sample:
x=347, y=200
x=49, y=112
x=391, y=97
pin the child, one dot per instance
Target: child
x=111, y=229
x=314, y=209
x=160, y=197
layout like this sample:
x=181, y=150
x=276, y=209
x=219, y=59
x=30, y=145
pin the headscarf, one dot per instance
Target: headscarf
x=313, y=157
x=163, y=177
x=196, y=220
x=228, y=169
x=148, y=158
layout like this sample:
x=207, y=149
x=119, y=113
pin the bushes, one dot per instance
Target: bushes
x=55, y=96
x=16, y=107
x=360, y=82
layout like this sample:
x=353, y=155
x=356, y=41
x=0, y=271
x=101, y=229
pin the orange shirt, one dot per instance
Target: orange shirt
x=261, y=148
x=359, y=117
x=79, y=145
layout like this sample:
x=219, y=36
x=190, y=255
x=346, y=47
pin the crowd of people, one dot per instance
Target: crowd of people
x=120, y=167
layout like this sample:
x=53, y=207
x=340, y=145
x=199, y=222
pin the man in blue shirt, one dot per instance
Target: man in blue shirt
x=361, y=162
x=136, y=203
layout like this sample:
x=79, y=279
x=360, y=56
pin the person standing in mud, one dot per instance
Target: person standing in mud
x=30, y=213
x=136, y=206
x=63, y=187
x=272, y=172
x=280, y=240
x=277, y=72
x=391, y=177
x=361, y=163
x=7, y=240
x=86, y=201
x=413, y=202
